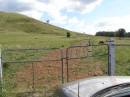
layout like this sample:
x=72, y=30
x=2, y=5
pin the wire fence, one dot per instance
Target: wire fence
x=122, y=54
x=39, y=72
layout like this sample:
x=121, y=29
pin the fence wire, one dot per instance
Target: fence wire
x=39, y=72
x=122, y=59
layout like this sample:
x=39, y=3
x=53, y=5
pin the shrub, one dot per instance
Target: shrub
x=68, y=35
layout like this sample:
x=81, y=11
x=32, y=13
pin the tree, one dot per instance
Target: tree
x=106, y=33
x=121, y=32
x=68, y=35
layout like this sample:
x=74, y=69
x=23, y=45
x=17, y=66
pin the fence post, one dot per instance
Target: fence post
x=67, y=64
x=1, y=75
x=62, y=66
x=111, y=57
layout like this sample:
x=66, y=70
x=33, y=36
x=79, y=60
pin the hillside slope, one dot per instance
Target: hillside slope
x=13, y=22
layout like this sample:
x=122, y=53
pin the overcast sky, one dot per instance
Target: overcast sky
x=87, y=16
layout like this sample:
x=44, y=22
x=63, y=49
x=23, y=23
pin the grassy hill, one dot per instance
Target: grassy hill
x=19, y=31
x=13, y=22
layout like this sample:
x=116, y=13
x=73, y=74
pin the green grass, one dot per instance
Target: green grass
x=19, y=41
x=123, y=60
x=36, y=40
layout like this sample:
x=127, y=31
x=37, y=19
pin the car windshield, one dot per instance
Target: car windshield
x=122, y=90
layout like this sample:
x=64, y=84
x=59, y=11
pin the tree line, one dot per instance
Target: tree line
x=119, y=33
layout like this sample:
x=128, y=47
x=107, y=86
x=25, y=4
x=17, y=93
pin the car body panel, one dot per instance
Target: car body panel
x=90, y=86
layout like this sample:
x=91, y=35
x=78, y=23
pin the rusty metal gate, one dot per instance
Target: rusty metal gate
x=31, y=72
x=86, y=61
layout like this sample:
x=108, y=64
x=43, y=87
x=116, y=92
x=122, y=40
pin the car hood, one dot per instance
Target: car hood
x=90, y=86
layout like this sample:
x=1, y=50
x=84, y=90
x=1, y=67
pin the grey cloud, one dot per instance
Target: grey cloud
x=83, y=4
x=102, y=24
x=44, y=1
x=13, y=5
x=87, y=1
x=79, y=8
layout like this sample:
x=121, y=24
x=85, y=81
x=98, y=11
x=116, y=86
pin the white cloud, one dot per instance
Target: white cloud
x=53, y=7
x=83, y=6
x=114, y=23
x=103, y=24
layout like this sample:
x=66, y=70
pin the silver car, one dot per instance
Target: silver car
x=103, y=86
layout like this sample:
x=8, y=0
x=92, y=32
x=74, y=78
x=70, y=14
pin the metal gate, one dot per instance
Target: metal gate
x=86, y=61
x=31, y=72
